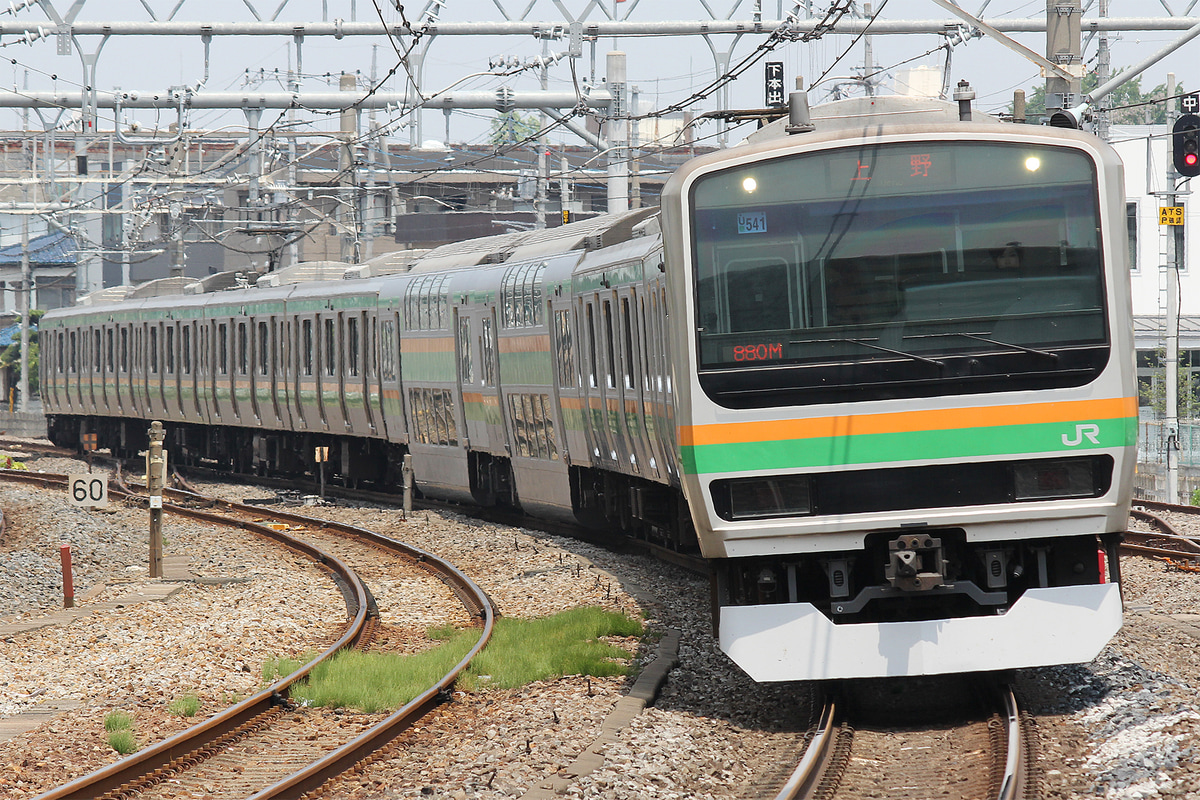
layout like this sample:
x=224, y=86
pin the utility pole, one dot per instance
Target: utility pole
x=26, y=299
x=1171, y=365
x=1063, y=43
x=618, y=125
x=346, y=174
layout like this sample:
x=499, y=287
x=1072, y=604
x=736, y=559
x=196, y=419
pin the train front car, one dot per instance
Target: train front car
x=908, y=422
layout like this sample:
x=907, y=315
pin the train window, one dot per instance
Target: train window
x=223, y=348
x=264, y=348
x=154, y=349
x=387, y=346
x=564, y=349
x=666, y=339
x=352, y=346
x=111, y=350
x=186, y=343
x=1131, y=228
x=427, y=303
x=532, y=426
x=627, y=330
x=306, y=346
x=591, y=334
x=521, y=295
x=73, y=361
x=170, y=352
x=963, y=257
x=124, y=349
x=330, y=348
x=369, y=346
x=643, y=342
x=466, y=373
x=610, y=347
x=488, y=346
x=96, y=360
x=432, y=413
x=243, y=350
x=60, y=361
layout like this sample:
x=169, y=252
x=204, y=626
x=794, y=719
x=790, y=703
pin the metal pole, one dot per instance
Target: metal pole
x=406, y=476
x=26, y=300
x=618, y=123
x=1171, y=371
x=154, y=485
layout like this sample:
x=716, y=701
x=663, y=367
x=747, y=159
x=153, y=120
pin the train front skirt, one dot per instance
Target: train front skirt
x=796, y=642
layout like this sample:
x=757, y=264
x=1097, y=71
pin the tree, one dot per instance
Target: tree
x=512, y=127
x=1130, y=105
x=10, y=356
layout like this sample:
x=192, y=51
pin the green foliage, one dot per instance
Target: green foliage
x=117, y=721
x=119, y=726
x=185, y=706
x=512, y=127
x=1127, y=101
x=520, y=651
x=10, y=356
x=1194, y=500
x=123, y=742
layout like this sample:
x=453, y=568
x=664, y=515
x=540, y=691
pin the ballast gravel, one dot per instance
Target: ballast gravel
x=1124, y=726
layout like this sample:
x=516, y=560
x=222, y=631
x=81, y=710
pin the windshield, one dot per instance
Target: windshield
x=898, y=266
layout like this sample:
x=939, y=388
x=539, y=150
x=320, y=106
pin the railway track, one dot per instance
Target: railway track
x=260, y=746
x=1003, y=769
x=1165, y=541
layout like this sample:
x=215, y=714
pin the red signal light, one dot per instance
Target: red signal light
x=1191, y=159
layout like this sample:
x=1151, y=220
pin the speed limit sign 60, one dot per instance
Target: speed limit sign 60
x=88, y=489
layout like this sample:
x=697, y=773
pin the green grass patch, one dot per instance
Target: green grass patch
x=520, y=652
x=120, y=732
x=117, y=721
x=186, y=706
x=123, y=742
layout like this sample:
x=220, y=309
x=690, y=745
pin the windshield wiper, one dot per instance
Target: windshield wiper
x=1031, y=350
x=913, y=356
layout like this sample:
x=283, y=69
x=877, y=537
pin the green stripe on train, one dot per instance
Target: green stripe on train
x=877, y=448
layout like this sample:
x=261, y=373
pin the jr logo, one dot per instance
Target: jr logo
x=1090, y=431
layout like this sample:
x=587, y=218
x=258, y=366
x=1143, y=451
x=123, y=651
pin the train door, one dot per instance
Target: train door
x=368, y=329
x=304, y=364
x=259, y=364
x=349, y=377
x=327, y=371
x=391, y=406
x=478, y=393
x=632, y=382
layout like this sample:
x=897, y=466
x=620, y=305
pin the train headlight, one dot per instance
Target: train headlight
x=1033, y=163
x=758, y=498
x=1042, y=480
x=749, y=185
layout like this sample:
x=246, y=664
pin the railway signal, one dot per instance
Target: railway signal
x=1185, y=140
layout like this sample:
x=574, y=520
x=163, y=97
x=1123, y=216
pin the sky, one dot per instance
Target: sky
x=665, y=70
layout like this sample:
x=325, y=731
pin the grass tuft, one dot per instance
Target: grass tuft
x=123, y=742
x=185, y=706
x=117, y=721
x=520, y=652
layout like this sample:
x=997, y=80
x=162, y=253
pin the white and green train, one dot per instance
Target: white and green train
x=880, y=373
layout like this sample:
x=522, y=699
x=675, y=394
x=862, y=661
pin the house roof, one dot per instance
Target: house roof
x=51, y=249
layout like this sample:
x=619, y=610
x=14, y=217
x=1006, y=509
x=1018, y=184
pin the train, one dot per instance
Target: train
x=877, y=368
